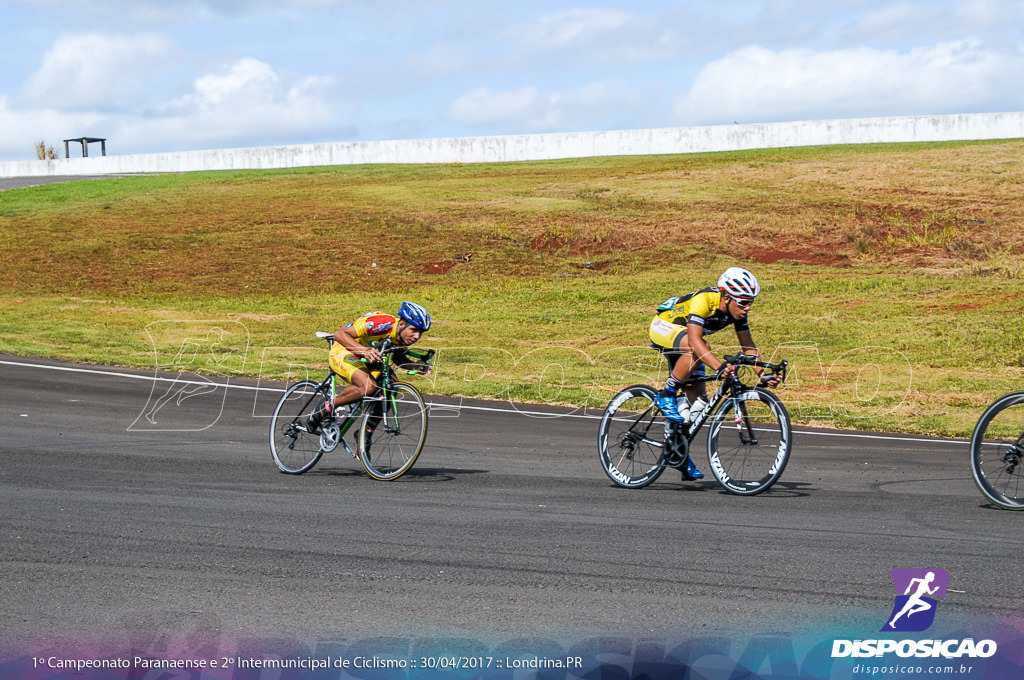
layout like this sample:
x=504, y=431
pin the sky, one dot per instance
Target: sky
x=176, y=75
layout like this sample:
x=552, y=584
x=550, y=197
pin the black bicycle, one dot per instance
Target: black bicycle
x=748, y=440
x=392, y=424
x=997, y=451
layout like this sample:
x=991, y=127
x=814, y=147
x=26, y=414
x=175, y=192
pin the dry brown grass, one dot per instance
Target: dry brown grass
x=943, y=207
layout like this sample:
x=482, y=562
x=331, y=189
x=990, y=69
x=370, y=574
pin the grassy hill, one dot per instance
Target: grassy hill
x=892, y=274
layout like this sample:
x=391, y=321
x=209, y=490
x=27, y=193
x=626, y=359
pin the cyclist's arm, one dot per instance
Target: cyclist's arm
x=747, y=343
x=699, y=346
x=350, y=341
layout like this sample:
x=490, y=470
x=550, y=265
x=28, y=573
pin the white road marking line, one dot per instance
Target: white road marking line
x=441, y=405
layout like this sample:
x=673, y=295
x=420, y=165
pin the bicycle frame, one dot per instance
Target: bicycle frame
x=730, y=388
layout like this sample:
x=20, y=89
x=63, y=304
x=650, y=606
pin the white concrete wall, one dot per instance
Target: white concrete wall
x=546, y=146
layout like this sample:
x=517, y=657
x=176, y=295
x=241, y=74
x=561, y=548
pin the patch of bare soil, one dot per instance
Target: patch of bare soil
x=801, y=255
x=439, y=267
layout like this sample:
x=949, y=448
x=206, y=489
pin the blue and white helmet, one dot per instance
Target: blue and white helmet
x=739, y=284
x=415, y=315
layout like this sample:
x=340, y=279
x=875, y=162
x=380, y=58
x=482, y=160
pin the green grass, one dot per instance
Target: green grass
x=891, y=273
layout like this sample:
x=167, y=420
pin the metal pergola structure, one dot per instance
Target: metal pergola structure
x=85, y=141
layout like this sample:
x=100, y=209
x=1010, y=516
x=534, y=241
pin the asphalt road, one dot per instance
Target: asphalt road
x=118, y=528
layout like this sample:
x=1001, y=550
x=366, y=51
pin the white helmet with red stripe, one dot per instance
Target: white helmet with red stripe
x=739, y=284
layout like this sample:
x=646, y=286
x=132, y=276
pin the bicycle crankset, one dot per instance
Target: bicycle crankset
x=677, y=450
x=330, y=435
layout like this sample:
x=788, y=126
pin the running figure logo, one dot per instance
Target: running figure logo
x=916, y=590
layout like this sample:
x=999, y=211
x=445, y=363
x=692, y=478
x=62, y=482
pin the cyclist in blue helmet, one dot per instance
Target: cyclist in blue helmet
x=415, y=315
x=353, y=352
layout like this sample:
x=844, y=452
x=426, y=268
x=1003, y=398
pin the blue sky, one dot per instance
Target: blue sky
x=173, y=75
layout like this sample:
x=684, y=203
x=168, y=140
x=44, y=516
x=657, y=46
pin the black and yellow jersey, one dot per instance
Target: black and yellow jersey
x=700, y=308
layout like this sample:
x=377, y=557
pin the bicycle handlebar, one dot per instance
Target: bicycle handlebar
x=424, y=358
x=750, y=360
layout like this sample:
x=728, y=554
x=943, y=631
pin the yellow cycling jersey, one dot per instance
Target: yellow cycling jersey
x=700, y=308
x=375, y=326
x=368, y=328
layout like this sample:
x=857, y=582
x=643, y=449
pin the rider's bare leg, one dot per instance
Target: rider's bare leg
x=685, y=366
x=363, y=385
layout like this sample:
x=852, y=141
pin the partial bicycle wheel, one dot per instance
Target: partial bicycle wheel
x=749, y=440
x=630, y=439
x=997, y=450
x=392, y=432
x=295, y=449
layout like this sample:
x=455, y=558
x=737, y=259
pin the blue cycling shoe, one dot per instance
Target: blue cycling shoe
x=691, y=472
x=667, y=405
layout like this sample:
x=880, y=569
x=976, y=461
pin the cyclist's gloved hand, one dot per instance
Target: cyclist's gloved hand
x=725, y=369
x=770, y=380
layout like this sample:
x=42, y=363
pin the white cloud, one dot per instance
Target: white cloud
x=248, y=100
x=760, y=85
x=95, y=71
x=244, y=104
x=247, y=82
x=902, y=24
x=529, y=109
x=596, y=35
x=570, y=28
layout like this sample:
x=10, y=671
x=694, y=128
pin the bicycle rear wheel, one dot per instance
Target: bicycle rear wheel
x=630, y=438
x=294, y=448
x=997, y=451
x=392, y=432
x=749, y=441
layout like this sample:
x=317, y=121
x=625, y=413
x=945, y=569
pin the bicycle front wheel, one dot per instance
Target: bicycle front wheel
x=294, y=448
x=749, y=440
x=392, y=432
x=997, y=450
x=630, y=439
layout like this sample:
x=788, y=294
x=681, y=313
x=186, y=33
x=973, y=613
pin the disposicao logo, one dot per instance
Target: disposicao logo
x=914, y=611
x=916, y=590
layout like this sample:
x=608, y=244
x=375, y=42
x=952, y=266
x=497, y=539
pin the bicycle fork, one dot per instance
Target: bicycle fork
x=743, y=425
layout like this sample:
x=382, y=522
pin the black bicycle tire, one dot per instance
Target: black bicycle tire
x=981, y=480
x=610, y=467
x=368, y=463
x=276, y=426
x=782, y=456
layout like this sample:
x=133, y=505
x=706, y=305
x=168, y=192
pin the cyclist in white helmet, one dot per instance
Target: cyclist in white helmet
x=680, y=329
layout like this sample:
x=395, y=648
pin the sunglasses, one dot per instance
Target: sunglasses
x=744, y=305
